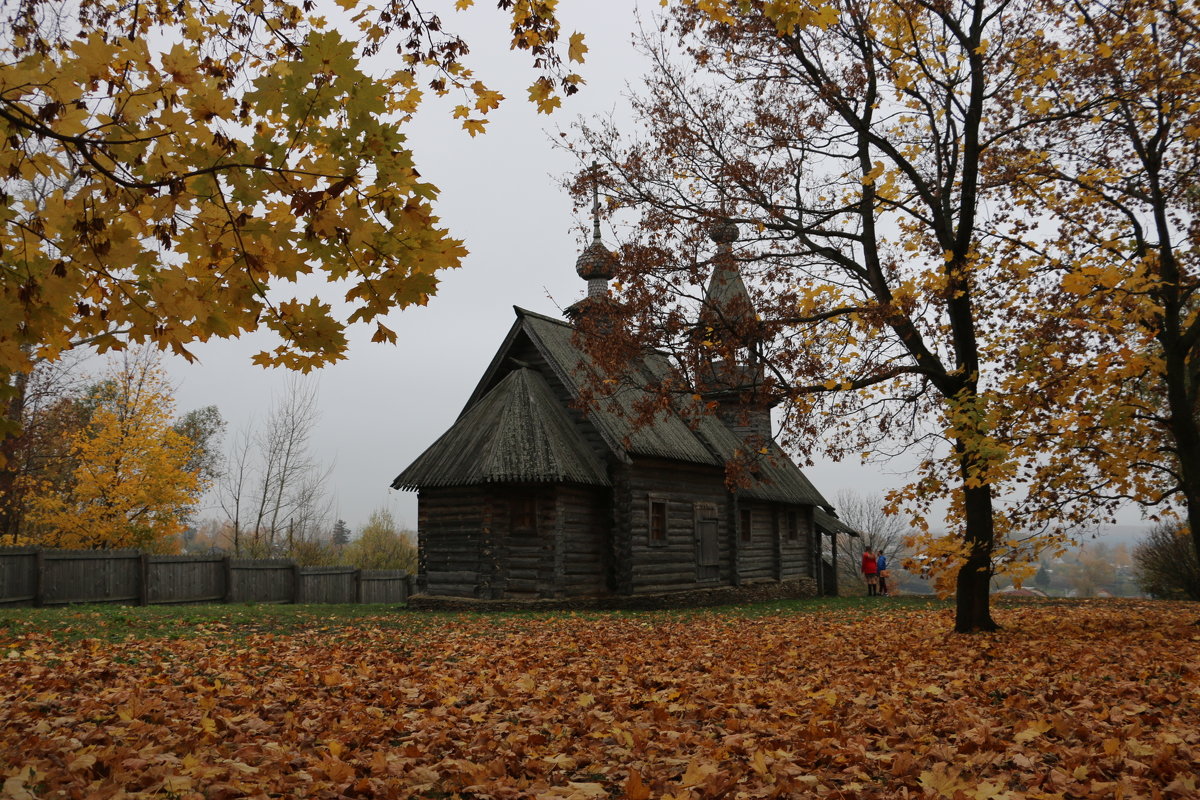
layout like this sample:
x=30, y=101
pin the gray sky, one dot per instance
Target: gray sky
x=500, y=193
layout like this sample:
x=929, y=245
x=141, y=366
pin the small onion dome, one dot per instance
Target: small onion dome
x=724, y=232
x=596, y=262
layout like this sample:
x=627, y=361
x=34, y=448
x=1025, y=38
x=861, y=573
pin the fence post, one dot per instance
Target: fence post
x=228, y=565
x=297, y=593
x=143, y=579
x=39, y=577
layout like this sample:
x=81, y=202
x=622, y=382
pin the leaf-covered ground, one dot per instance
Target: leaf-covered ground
x=1086, y=700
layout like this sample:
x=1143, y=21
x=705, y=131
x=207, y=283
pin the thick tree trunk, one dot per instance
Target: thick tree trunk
x=1182, y=377
x=973, y=589
x=1188, y=443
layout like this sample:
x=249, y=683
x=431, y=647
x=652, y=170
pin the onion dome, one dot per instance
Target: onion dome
x=724, y=232
x=596, y=262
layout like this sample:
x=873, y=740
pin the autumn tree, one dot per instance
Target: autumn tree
x=1117, y=176
x=854, y=147
x=129, y=483
x=166, y=170
x=51, y=407
x=382, y=545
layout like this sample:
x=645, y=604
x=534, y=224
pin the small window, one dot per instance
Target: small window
x=747, y=532
x=523, y=508
x=658, y=521
x=793, y=526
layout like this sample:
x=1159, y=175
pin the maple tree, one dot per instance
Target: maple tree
x=1090, y=700
x=131, y=480
x=1118, y=176
x=166, y=170
x=856, y=146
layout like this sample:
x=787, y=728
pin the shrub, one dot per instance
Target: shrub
x=1166, y=563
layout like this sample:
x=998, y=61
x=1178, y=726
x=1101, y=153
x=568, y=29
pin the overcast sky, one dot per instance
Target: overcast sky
x=501, y=193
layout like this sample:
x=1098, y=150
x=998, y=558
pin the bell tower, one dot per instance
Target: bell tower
x=730, y=334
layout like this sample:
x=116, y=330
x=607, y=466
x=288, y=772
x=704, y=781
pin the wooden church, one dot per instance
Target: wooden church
x=527, y=497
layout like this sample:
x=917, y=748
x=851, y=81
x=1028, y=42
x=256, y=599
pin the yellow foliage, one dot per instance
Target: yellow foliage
x=163, y=183
x=130, y=486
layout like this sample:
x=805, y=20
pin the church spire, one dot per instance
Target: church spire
x=733, y=374
x=727, y=306
x=596, y=264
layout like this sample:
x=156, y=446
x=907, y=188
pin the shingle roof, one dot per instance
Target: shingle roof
x=514, y=428
x=669, y=435
x=779, y=477
x=517, y=432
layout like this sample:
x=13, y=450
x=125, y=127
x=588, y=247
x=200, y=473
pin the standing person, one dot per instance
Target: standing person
x=870, y=571
x=881, y=565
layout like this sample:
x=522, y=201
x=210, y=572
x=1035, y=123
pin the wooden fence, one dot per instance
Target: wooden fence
x=41, y=577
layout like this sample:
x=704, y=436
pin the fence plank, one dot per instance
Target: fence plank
x=328, y=584
x=383, y=586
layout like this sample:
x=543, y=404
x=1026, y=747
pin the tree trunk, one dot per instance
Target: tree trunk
x=1189, y=473
x=1183, y=394
x=10, y=505
x=973, y=588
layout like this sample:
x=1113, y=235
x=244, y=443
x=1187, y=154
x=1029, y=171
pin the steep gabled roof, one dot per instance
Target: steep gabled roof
x=669, y=436
x=517, y=432
x=497, y=438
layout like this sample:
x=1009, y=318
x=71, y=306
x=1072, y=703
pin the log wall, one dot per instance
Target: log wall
x=673, y=564
x=454, y=542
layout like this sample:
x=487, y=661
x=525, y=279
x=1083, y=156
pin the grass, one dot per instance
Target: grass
x=111, y=622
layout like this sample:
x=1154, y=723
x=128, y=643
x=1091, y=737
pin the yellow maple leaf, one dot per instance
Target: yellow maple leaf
x=576, y=48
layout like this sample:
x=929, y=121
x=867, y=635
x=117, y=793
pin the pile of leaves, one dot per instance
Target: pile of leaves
x=1068, y=701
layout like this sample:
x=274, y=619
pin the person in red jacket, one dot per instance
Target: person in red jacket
x=870, y=571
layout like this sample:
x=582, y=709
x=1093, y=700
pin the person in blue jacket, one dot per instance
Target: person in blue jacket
x=881, y=565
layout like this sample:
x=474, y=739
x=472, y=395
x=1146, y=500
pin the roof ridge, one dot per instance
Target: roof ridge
x=524, y=312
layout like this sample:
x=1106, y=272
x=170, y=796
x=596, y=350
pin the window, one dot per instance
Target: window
x=793, y=526
x=658, y=521
x=523, y=510
x=747, y=520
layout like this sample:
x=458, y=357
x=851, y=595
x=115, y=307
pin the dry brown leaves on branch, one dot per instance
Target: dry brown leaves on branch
x=1068, y=702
